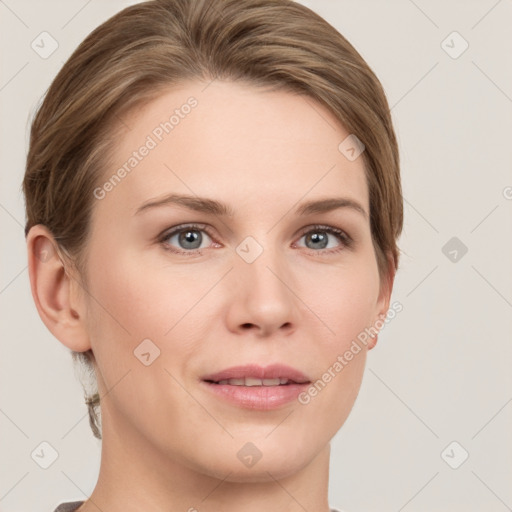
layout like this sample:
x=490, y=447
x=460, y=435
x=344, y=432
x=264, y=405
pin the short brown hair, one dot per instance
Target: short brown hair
x=151, y=46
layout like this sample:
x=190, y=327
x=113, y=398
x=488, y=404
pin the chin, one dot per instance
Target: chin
x=262, y=471
x=259, y=461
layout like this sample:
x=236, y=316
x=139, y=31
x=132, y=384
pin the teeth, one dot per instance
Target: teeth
x=252, y=381
x=236, y=382
x=249, y=381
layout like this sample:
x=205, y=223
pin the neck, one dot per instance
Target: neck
x=135, y=476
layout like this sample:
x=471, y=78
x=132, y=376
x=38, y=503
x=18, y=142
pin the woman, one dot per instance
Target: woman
x=213, y=204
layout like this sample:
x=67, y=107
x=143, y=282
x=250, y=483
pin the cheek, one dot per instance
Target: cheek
x=124, y=308
x=344, y=298
x=133, y=298
x=345, y=302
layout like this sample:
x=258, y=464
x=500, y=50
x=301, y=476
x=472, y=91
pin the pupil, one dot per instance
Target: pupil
x=322, y=238
x=190, y=237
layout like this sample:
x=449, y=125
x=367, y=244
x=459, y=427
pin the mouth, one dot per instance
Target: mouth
x=253, y=381
x=255, y=387
x=253, y=375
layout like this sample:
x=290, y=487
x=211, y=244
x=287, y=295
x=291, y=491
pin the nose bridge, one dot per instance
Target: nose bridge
x=262, y=262
x=263, y=283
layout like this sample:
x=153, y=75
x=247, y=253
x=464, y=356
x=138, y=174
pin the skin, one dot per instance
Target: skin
x=167, y=443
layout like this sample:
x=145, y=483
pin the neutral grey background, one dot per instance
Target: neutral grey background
x=441, y=371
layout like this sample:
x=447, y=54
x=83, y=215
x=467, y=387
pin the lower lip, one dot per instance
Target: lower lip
x=262, y=398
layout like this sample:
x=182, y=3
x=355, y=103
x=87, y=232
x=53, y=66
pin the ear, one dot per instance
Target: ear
x=56, y=290
x=384, y=299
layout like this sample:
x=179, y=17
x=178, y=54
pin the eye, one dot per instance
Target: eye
x=189, y=239
x=185, y=239
x=320, y=238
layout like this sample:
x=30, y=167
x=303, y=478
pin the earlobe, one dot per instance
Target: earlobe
x=51, y=286
x=377, y=326
x=384, y=301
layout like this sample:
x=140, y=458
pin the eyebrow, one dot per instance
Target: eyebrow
x=214, y=207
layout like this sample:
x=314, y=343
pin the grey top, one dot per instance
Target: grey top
x=71, y=506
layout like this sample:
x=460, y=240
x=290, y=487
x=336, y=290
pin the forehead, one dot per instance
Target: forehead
x=234, y=142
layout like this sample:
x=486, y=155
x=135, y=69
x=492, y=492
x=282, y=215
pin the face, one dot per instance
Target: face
x=181, y=290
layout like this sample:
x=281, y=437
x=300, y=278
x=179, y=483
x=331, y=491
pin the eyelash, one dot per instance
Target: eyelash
x=346, y=240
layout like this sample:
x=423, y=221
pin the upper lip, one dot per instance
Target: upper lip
x=273, y=371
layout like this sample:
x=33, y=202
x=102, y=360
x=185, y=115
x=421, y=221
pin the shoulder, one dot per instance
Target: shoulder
x=69, y=506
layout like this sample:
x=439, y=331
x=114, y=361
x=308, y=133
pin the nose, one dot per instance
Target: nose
x=261, y=298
